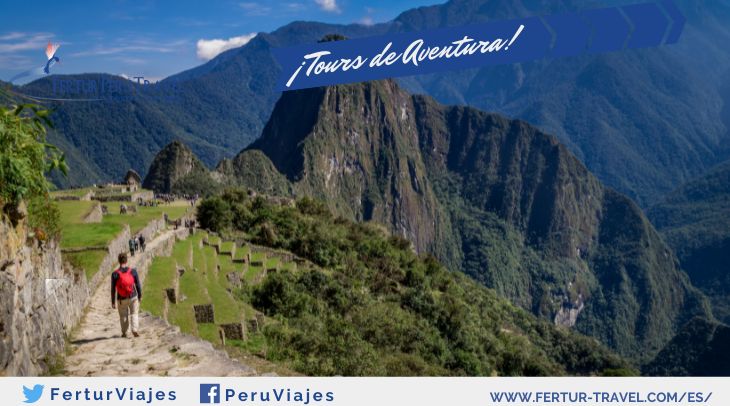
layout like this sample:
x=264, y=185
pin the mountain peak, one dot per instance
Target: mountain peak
x=321, y=110
x=174, y=162
x=494, y=197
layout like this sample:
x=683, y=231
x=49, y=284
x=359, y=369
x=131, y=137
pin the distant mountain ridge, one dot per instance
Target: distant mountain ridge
x=695, y=222
x=643, y=120
x=495, y=198
x=702, y=348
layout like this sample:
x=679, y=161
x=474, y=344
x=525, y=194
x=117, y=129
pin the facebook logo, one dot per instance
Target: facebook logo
x=210, y=393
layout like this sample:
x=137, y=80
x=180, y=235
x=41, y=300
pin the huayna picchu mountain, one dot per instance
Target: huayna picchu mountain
x=495, y=198
x=643, y=120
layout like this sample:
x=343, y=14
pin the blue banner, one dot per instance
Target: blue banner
x=496, y=42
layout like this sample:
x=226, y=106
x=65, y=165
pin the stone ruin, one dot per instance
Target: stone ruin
x=253, y=325
x=257, y=323
x=234, y=278
x=233, y=331
x=204, y=313
x=171, y=295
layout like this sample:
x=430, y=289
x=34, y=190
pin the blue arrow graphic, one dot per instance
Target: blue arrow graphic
x=678, y=21
x=571, y=34
x=610, y=29
x=649, y=25
x=495, y=42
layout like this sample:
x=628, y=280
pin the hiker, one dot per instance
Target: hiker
x=131, y=247
x=141, y=242
x=126, y=295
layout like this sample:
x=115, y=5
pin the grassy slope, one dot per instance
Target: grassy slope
x=76, y=234
x=387, y=312
x=492, y=197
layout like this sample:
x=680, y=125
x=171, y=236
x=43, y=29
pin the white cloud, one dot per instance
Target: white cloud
x=12, y=35
x=367, y=20
x=130, y=60
x=255, y=9
x=328, y=5
x=209, y=48
x=295, y=6
x=18, y=41
x=127, y=46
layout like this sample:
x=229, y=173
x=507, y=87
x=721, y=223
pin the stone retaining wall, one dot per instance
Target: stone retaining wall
x=95, y=215
x=85, y=197
x=162, y=249
x=152, y=228
x=112, y=198
x=41, y=300
x=145, y=195
x=119, y=244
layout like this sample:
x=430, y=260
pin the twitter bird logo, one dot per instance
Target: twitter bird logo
x=32, y=395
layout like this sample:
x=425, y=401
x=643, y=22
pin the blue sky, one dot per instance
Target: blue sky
x=158, y=38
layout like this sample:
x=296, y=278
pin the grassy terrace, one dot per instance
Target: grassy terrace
x=241, y=252
x=72, y=192
x=227, y=246
x=77, y=234
x=206, y=281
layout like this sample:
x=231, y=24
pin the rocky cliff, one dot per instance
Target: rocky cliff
x=357, y=148
x=537, y=226
x=41, y=299
x=495, y=198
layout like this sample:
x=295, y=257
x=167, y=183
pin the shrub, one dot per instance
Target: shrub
x=25, y=159
x=214, y=214
x=375, y=307
x=25, y=156
x=44, y=217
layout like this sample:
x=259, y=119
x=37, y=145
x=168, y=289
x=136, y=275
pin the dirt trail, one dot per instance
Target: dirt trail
x=161, y=350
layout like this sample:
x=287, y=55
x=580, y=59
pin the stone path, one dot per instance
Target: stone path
x=161, y=350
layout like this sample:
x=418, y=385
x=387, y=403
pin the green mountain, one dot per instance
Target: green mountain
x=702, y=348
x=492, y=197
x=175, y=169
x=695, y=222
x=103, y=139
x=359, y=301
x=643, y=121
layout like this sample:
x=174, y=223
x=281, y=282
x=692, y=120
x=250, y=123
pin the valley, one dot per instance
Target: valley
x=559, y=217
x=290, y=283
x=491, y=197
x=642, y=121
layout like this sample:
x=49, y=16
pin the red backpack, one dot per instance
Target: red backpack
x=125, y=283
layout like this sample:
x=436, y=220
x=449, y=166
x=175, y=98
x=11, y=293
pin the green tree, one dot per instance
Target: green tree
x=25, y=159
x=214, y=214
x=25, y=156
